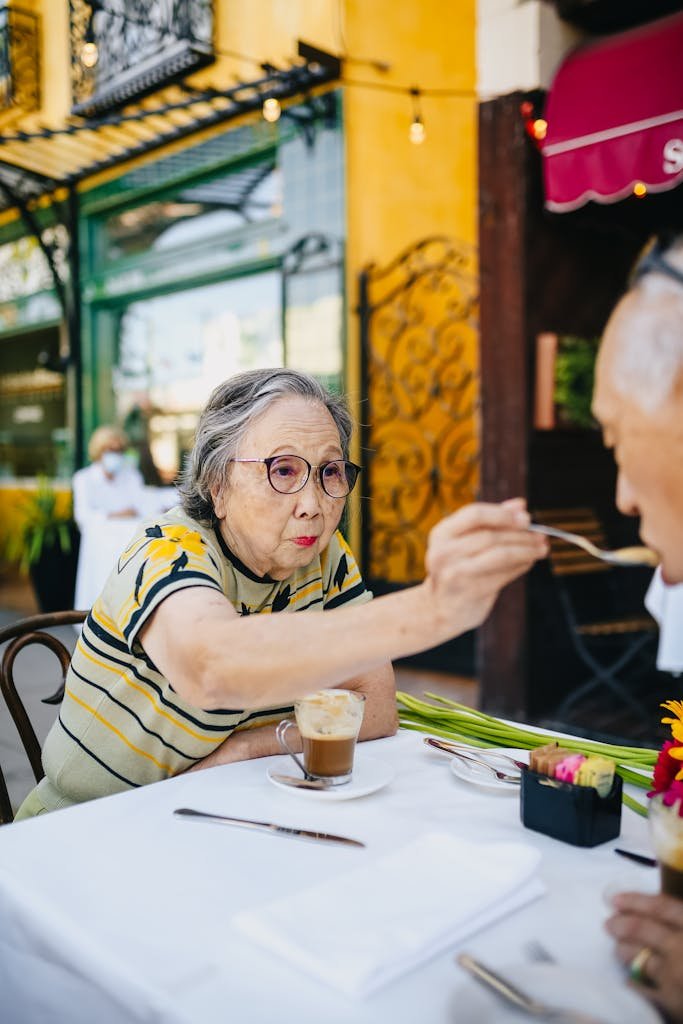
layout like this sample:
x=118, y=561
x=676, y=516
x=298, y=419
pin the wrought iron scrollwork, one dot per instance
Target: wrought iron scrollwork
x=19, y=59
x=141, y=45
x=419, y=345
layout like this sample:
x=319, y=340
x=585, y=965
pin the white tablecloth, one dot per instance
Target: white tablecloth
x=117, y=911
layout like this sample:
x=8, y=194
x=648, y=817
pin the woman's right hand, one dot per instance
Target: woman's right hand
x=472, y=554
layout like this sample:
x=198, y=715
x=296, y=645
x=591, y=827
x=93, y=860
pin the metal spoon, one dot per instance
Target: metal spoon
x=501, y=776
x=297, y=783
x=620, y=556
x=449, y=747
x=514, y=996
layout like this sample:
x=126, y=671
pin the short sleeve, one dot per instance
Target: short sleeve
x=342, y=581
x=161, y=560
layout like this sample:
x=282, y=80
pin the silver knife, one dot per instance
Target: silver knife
x=515, y=997
x=266, y=826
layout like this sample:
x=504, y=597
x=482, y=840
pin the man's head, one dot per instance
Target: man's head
x=638, y=401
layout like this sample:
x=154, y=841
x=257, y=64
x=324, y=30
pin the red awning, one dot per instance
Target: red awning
x=615, y=117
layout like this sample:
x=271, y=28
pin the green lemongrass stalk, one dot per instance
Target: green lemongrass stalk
x=446, y=734
x=635, y=778
x=459, y=720
x=452, y=720
x=642, y=755
x=634, y=805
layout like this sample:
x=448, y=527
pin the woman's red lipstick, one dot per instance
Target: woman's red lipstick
x=305, y=542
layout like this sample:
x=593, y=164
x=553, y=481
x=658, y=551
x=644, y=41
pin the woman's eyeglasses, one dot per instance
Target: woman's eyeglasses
x=288, y=474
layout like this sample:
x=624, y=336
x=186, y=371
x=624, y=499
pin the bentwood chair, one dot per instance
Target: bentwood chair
x=609, y=629
x=22, y=634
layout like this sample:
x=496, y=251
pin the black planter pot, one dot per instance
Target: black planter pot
x=54, y=575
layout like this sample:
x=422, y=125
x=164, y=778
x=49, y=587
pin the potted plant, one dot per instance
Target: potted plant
x=46, y=547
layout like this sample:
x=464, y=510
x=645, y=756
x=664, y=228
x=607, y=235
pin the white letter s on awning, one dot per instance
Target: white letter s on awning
x=673, y=156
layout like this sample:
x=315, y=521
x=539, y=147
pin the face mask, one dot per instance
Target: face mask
x=112, y=462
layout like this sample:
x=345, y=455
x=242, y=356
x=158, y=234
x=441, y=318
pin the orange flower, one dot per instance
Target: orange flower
x=676, y=708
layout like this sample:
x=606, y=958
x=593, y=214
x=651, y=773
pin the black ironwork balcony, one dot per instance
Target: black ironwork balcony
x=19, y=59
x=122, y=50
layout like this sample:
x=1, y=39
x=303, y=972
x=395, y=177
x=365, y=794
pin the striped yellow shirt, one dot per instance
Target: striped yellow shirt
x=121, y=724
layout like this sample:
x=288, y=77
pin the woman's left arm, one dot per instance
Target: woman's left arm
x=380, y=717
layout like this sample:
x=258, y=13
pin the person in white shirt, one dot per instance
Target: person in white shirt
x=109, y=500
x=638, y=401
x=109, y=488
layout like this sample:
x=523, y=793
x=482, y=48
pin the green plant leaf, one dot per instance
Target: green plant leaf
x=42, y=526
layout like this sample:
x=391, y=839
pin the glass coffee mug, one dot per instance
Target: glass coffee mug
x=666, y=830
x=329, y=722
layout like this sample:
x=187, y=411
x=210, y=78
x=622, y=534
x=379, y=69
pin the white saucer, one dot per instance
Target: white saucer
x=607, y=999
x=468, y=771
x=369, y=775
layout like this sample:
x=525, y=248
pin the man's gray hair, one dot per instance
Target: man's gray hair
x=650, y=325
x=231, y=409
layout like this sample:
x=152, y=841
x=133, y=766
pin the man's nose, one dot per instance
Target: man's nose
x=626, y=499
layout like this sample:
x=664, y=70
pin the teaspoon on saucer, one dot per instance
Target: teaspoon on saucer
x=297, y=783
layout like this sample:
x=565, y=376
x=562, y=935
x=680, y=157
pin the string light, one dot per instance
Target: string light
x=89, y=55
x=416, y=132
x=271, y=110
x=640, y=189
x=89, y=51
x=535, y=127
x=540, y=129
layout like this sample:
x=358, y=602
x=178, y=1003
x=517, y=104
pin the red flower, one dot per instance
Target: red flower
x=666, y=769
x=673, y=795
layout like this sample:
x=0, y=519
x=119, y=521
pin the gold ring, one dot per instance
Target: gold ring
x=636, y=968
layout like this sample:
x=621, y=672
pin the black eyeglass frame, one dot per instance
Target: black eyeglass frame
x=321, y=468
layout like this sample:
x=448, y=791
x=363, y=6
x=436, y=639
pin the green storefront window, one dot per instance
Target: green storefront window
x=198, y=213
x=175, y=348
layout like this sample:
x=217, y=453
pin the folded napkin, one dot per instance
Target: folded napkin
x=665, y=604
x=359, y=930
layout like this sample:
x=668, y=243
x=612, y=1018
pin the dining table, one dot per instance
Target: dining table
x=119, y=911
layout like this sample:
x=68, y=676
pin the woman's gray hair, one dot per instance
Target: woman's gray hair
x=231, y=409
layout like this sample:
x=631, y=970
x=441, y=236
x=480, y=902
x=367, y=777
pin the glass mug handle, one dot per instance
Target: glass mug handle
x=280, y=734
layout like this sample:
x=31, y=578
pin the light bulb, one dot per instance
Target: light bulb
x=89, y=55
x=640, y=189
x=540, y=128
x=417, y=133
x=271, y=110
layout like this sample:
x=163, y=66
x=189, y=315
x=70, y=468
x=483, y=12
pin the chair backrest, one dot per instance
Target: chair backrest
x=568, y=559
x=22, y=634
x=591, y=590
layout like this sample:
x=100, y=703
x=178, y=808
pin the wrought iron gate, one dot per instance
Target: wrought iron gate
x=418, y=319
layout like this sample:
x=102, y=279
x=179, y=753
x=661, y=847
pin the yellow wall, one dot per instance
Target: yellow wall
x=399, y=193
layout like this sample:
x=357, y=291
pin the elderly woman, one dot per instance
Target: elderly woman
x=183, y=664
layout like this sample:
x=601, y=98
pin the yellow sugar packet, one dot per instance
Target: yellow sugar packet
x=597, y=772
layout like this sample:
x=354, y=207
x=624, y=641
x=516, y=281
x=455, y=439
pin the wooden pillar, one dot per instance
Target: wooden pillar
x=503, y=215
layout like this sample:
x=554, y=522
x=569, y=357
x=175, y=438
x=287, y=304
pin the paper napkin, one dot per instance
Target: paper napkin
x=361, y=929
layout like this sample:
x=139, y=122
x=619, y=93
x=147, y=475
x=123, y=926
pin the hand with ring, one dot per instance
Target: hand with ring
x=649, y=940
x=637, y=969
